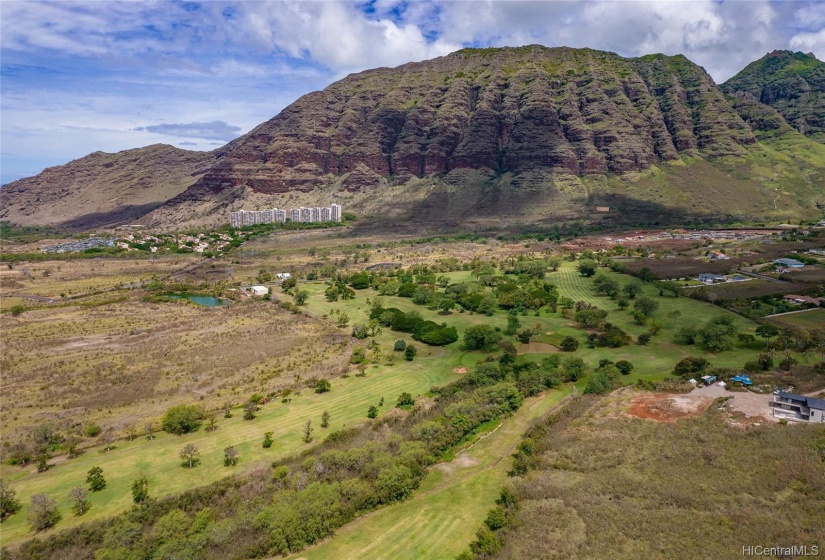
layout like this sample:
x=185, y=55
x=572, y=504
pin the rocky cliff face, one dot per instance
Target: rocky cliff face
x=792, y=83
x=103, y=189
x=528, y=134
x=581, y=112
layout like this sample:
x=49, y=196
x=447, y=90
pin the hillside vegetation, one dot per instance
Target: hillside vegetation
x=607, y=486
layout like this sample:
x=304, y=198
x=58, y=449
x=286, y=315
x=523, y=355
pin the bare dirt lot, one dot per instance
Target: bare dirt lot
x=744, y=405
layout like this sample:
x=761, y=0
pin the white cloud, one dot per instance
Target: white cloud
x=810, y=42
x=82, y=75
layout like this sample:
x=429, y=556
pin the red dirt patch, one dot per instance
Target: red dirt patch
x=668, y=408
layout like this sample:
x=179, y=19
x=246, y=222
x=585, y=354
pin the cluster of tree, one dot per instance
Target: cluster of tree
x=424, y=331
x=302, y=501
x=604, y=376
x=338, y=290
x=717, y=335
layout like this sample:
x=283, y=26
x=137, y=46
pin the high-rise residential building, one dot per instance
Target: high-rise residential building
x=275, y=215
x=335, y=210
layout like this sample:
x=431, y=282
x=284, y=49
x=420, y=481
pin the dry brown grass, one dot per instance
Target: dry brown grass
x=617, y=487
x=122, y=363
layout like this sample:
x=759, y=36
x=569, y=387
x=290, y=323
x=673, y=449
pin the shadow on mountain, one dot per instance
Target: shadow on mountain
x=492, y=210
x=119, y=216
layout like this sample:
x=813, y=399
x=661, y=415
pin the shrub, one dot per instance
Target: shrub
x=43, y=512
x=405, y=399
x=569, y=344
x=182, y=419
x=410, y=352
x=92, y=430
x=481, y=337
x=439, y=336
x=9, y=504
x=267, y=440
x=95, y=480
x=322, y=386
x=644, y=339
x=690, y=365
x=400, y=346
x=624, y=366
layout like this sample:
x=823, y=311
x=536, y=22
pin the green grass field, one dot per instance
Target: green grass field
x=347, y=404
x=350, y=398
x=441, y=518
x=810, y=319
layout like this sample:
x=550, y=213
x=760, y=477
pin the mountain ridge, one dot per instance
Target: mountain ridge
x=526, y=134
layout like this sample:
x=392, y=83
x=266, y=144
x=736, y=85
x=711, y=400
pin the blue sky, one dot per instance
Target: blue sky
x=82, y=76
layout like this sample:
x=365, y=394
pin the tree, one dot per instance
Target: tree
x=718, y=334
x=230, y=456
x=249, y=410
x=308, y=431
x=301, y=297
x=410, y=352
x=513, y=324
x=322, y=386
x=150, y=431
x=446, y=304
x=525, y=336
x=80, y=503
x=569, y=344
x=268, y=441
x=399, y=346
x=95, y=480
x=405, y=399
x=9, y=504
x=767, y=331
x=372, y=412
x=624, y=366
x=573, y=369
x=343, y=320
x=646, y=306
x=481, y=337
x=43, y=512
x=189, y=454
x=631, y=290
x=643, y=339
x=182, y=419
x=587, y=267
x=598, y=383
x=140, y=490
x=325, y=419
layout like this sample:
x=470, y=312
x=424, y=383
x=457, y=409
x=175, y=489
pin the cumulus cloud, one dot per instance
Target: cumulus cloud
x=77, y=72
x=215, y=130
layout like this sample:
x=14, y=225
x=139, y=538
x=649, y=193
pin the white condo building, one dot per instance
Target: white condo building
x=242, y=218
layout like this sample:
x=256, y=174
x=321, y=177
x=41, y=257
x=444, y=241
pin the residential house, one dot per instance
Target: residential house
x=798, y=407
x=708, y=278
x=789, y=263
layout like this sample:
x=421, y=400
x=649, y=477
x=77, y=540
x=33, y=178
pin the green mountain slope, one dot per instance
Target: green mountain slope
x=793, y=83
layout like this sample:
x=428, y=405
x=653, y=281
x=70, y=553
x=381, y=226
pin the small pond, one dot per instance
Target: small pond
x=206, y=301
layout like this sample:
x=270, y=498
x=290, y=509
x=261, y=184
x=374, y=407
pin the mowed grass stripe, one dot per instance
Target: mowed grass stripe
x=158, y=460
x=442, y=517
